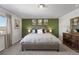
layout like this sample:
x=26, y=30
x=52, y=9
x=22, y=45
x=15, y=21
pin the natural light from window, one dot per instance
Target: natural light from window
x=2, y=21
x=2, y=24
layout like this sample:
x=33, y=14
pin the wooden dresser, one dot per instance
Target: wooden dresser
x=71, y=40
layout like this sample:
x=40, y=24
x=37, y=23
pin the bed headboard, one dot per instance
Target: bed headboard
x=39, y=27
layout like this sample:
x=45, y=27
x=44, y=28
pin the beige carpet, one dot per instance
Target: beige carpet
x=16, y=50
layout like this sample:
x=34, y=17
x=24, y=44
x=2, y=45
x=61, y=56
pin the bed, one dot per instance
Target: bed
x=40, y=41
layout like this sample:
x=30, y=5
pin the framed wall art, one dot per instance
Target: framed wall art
x=34, y=21
x=45, y=21
x=39, y=21
x=17, y=23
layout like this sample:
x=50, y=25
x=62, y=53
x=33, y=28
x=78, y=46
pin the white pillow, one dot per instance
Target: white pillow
x=33, y=31
x=45, y=30
x=39, y=31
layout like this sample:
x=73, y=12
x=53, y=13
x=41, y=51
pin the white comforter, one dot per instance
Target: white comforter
x=40, y=38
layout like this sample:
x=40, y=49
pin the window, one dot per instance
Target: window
x=2, y=21
x=2, y=24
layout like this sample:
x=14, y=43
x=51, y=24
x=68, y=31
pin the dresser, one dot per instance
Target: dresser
x=71, y=40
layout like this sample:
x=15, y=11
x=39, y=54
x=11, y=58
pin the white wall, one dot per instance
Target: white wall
x=16, y=32
x=2, y=42
x=64, y=22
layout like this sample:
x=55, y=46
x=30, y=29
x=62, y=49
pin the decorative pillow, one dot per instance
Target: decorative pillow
x=44, y=31
x=33, y=31
x=40, y=31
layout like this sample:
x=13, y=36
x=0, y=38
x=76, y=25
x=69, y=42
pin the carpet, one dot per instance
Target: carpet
x=16, y=50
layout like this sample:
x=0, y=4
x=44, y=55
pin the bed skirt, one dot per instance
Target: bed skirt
x=39, y=46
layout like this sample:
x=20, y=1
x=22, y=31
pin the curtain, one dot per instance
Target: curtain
x=9, y=32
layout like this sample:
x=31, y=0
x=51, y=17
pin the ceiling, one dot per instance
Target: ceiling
x=32, y=10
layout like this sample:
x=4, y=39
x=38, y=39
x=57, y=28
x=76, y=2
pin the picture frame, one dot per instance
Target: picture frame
x=17, y=23
x=39, y=21
x=34, y=22
x=45, y=21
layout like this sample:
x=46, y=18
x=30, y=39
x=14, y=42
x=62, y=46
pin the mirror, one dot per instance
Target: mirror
x=74, y=24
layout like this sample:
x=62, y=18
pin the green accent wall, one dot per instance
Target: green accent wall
x=52, y=23
x=25, y=24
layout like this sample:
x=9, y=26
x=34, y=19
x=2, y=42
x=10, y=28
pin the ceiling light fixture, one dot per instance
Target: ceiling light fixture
x=41, y=6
